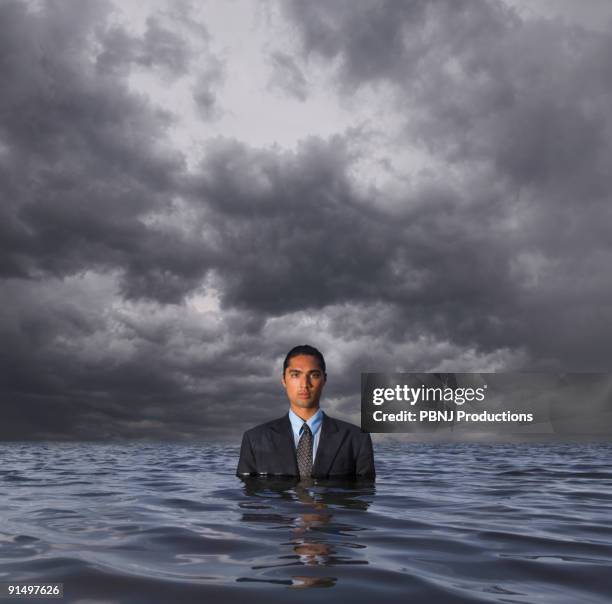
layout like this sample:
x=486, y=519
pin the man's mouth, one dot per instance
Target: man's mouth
x=303, y=394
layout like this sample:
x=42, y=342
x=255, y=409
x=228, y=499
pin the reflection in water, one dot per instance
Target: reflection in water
x=311, y=552
x=315, y=537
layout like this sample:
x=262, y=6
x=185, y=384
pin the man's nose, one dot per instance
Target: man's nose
x=305, y=382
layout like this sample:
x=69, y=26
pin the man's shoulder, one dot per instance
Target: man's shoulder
x=273, y=424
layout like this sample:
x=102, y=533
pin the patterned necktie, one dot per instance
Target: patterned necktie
x=304, y=452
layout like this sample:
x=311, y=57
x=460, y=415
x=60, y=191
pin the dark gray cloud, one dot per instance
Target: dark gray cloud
x=143, y=298
x=159, y=48
x=475, y=83
x=520, y=108
x=368, y=37
x=291, y=233
x=85, y=161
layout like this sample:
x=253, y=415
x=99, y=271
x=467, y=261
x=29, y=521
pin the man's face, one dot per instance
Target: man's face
x=304, y=380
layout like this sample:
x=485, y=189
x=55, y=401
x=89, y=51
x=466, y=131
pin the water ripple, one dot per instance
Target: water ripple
x=449, y=523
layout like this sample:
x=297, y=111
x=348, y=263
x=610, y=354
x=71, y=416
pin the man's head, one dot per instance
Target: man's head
x=303, y=378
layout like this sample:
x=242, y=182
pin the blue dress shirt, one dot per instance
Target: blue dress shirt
x=314, y=423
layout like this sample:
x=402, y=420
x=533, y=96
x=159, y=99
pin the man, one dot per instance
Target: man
x=306, y=442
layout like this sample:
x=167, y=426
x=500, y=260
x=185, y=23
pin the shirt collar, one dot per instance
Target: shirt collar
x=314, y=423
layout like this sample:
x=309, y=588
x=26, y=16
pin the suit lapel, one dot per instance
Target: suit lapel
x=329, y=443
x=281, y=434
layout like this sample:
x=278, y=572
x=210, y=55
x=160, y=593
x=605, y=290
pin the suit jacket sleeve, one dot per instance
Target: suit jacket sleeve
x=364, y=465
x=246, y=463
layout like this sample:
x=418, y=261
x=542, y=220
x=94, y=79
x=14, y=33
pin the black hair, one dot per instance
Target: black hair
x=304, y=349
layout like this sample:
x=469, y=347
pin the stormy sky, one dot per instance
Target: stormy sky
x=189, y=189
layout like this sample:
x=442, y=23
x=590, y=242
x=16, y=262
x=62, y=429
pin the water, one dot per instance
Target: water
x=444, y=523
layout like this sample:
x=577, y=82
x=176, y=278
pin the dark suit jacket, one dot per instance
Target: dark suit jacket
x=343, y=450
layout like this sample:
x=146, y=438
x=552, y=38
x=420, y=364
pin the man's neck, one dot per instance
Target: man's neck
x=304, y=414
